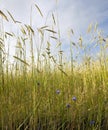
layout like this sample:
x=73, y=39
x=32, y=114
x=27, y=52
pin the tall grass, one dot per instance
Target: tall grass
x=43, y=93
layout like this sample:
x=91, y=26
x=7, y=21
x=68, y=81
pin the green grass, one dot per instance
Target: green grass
x=43, y=93
x=34, y=102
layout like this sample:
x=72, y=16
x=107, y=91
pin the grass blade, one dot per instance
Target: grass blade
x=72, y=31
x=49, y=30
x=43, y=27
x=54, y=38
x=11, y=16
x=53, y=18
x=62, y=71
x=39, y=10
x=21, y=60
x=9, y=34
x=3, y=15
x=89, y=28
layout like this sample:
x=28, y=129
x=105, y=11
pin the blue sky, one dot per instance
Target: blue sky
x=75, y=14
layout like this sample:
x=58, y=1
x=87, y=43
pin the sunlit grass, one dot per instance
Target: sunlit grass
x=43, y=92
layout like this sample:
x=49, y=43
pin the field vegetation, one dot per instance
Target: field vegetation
x=40, y=89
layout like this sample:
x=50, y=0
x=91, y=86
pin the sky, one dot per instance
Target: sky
x=75, y=14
